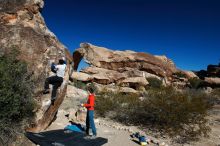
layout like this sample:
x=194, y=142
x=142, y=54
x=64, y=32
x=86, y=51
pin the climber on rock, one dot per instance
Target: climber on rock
x=56, y=80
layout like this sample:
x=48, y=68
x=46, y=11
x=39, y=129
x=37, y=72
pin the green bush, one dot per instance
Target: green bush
x=195, y=83
x=79, y=84
x=16, y=102
x=108, y=102
x=181, y=115
x=180, y=75
x=154, y=82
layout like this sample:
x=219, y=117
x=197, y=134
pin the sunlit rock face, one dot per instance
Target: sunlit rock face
x=122, y=67
x=117, y=60
x=23, y=28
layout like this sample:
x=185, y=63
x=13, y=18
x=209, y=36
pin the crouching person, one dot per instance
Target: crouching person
x=56, y=80
x=90, y=112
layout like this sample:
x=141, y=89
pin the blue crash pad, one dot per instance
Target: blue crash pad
x=76, y=128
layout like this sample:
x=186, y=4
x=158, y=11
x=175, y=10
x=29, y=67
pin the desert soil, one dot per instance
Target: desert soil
x=119, y=137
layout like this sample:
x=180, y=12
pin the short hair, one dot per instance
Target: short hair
x=61, y=61
x=90, y=89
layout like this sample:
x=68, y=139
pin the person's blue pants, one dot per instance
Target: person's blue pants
x=90, y=122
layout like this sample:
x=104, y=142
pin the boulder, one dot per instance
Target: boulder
x=165, y=59
x=99, y=74
x=212, y=81
x=202, y=74
x=114, y=88
x=124, y=68
x=101, y=79
x=23, y=28
x=149, y=75
x=135, y=80
x=213, y=70
x=80, y=76
x=190, y=74
x=127, y=90
x=115, y=60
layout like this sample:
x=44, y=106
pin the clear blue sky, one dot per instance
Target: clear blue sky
x=187, y=31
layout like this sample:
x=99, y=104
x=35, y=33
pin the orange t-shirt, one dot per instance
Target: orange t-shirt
x=90, y=102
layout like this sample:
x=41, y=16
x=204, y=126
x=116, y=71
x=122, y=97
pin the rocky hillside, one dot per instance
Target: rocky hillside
x=23, y=28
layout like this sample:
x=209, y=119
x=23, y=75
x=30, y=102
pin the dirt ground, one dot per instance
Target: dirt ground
x=119, y=137
x=122, y=137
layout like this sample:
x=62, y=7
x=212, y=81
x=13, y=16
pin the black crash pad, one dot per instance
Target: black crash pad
x=64, y=138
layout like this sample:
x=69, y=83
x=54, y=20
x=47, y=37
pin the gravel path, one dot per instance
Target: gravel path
x=117, y=136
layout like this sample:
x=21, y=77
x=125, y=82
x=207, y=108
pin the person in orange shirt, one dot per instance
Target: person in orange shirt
x=90, y=111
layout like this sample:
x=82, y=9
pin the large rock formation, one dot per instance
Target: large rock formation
x=23, y=28
x=211, y=76
x=122, y=67
x=117, y=60
x=212, y=81
x=213, y=70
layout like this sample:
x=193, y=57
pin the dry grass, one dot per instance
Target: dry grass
x=180, y=115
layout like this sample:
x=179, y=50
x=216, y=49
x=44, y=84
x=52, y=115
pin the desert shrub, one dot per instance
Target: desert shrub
x=215, y=96
x=16, y=102
x=104, y=104
x=92, y=86
x=82, y=85
x=180, y=115
x=79, y=84
x=107, y=101
x=216, y=92
x=180, y=75
x=154, y=82
x=195, y=82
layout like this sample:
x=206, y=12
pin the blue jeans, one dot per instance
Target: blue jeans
x=90, y=122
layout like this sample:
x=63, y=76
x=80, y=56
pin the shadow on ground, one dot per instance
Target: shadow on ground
x=64, y=138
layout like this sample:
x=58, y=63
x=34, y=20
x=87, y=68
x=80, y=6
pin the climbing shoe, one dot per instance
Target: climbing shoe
x=93, y=137
x=52, y=101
